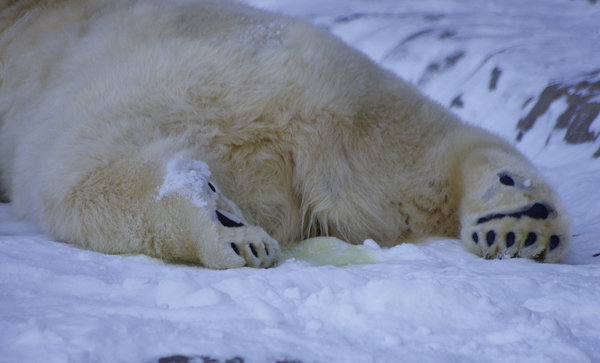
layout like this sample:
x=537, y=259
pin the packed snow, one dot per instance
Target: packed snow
x=188, y=178
x=490, y=60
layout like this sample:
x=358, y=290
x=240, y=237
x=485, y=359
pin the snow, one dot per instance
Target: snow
x=431, y=302
x=186, y=177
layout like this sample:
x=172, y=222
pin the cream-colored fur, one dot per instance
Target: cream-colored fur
x=104, y=103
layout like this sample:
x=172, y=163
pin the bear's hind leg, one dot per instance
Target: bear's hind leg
x=508, y=210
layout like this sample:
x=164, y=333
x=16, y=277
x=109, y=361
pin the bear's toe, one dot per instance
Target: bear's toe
x=235, y=249
x=510, y=239
x=490, y=237
x=554, y=242
x=531, y=238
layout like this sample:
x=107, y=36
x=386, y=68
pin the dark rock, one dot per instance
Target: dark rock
x=457, y=102
x=496, y=72
x=583, y=108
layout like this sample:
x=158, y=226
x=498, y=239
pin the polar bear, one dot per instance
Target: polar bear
x=210, y=132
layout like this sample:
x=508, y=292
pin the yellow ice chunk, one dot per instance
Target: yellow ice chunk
x=331, y=251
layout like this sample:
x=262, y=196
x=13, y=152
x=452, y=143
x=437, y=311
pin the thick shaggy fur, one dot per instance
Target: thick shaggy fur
x=303, y=136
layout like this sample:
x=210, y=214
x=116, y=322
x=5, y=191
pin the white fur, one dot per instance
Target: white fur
x=103, y=99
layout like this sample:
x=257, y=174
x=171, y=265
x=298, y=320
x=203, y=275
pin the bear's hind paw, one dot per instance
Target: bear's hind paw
x=535, y=230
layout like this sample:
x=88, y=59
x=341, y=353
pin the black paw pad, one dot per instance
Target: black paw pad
x=212, y=187
x=554, y=242
x=490, y=237
x=506, y=180
x=253, y=250
x=475, y=237
x=235, y=248
x=531, y=238
x=226, y=222
x=510, y=239
x=537, y=211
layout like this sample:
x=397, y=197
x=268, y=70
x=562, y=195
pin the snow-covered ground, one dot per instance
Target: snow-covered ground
x=493, y=62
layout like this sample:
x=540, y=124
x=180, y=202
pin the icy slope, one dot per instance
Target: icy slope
x=491, y=61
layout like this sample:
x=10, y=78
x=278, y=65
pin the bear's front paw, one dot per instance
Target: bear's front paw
x=246, y=245
x=201, y=214
x=516, y=218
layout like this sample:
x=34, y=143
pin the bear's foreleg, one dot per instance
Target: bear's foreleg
x=162, y=205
